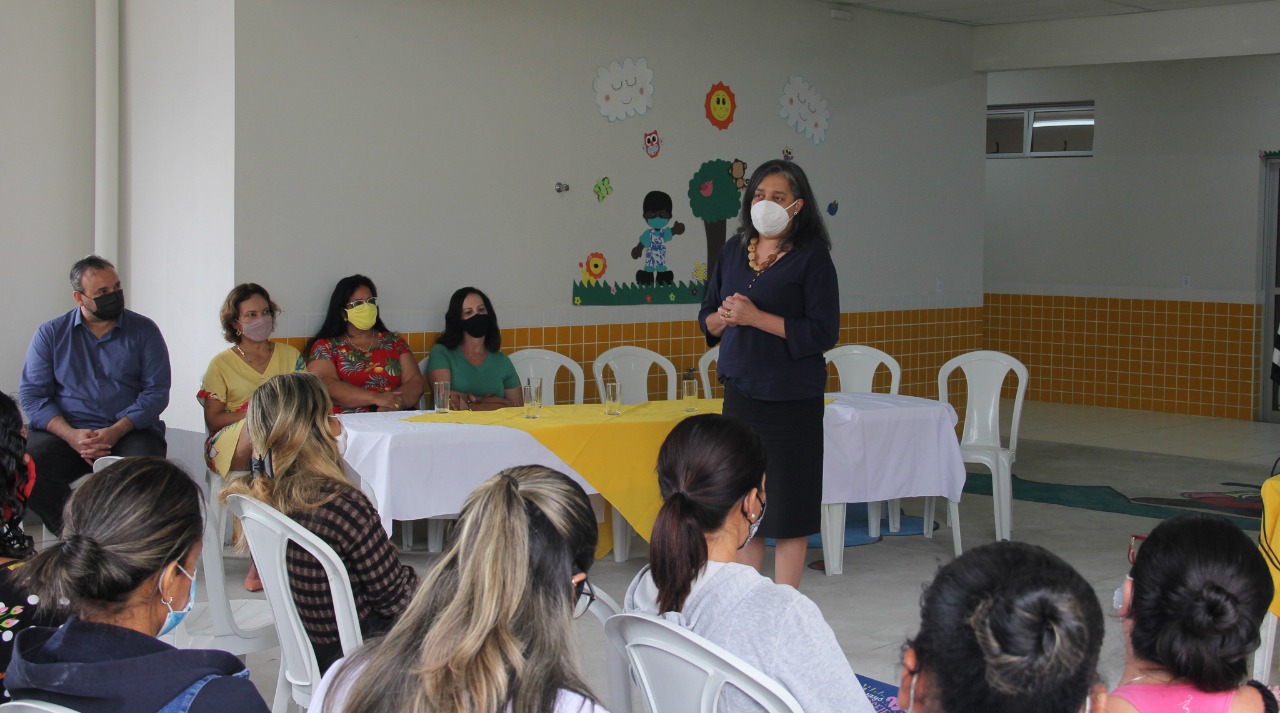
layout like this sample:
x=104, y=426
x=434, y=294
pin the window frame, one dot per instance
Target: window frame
x=1028, y=112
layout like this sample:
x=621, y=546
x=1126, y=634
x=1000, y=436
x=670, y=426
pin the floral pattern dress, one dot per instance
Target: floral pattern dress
x=374, y=369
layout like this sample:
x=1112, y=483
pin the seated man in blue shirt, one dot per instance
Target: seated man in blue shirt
x=95, y=382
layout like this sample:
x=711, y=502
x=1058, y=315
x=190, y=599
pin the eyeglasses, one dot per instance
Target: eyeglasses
x=583, y=597
x=1134, y=543
x=356, y=303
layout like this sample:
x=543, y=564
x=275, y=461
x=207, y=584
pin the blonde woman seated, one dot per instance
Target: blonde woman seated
x=490, y=629
x=248, y=318
x=1190, y=611
x=292, y=430
x=1005, y=628
x=711, y=475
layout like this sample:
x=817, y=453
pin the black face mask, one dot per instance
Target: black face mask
x=109, y=306
x=477, y=325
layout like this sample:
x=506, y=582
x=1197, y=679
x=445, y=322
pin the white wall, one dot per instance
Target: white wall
x=177, y=193
x=419, y=143
x=1172, y=188
x=46, y=164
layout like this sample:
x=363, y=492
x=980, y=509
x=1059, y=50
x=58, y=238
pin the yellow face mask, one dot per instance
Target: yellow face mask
x=364, y=316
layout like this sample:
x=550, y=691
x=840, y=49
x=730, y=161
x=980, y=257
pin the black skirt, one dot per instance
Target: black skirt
x=792, y=434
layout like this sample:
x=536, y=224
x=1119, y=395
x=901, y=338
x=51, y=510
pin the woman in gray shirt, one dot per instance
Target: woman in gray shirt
x=711, y=475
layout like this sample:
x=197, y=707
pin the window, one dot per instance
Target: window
x=1023, y=131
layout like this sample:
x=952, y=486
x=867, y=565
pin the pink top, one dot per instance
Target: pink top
x=1179, y=697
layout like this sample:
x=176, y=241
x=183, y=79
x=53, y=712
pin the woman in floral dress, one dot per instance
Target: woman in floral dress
x=364, y=365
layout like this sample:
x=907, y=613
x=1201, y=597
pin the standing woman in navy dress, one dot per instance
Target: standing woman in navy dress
x=773, y=305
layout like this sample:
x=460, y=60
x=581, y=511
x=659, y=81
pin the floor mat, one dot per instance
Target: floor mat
x=1096, y=497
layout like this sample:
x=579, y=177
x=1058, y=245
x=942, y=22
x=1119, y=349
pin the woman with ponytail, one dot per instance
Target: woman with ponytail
x=1005, y=628
x=1190, y=610
x=298, y=471
x=126, y=569
x=712, y=480
x=490, y=629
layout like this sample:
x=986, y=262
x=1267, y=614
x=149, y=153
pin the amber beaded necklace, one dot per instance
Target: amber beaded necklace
x=760, y=267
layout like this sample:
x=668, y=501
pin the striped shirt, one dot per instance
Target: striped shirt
x=381, y=584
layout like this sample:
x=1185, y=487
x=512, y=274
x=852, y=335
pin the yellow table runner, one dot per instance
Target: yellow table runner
x=616, y=454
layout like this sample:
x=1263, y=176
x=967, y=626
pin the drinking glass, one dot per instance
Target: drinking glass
x=612, y=399
x=440, y=396
x=689, y=394
x=532, y=393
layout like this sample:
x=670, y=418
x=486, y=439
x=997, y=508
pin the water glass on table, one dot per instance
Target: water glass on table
x=440, y=394
x=612, y=399
x=532, y=393
x=689, y=394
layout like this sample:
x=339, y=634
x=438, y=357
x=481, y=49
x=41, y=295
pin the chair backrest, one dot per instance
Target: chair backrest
x=269, y=533
x=856, y=366
x=984, y=375
x=681, y=672
x=545, y=364
x=105, y=462
x=34, y=707
x=424, y=400
x=704, y=368
x=617, y=670
x=630, y=367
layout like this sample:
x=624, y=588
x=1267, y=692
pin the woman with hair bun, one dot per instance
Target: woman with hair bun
x=490, y=629
x=1191, y=607
x=712, y=480
x=126, y=567
x=1005, y=628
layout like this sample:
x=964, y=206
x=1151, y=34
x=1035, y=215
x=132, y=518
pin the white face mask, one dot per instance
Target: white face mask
x=769, y=218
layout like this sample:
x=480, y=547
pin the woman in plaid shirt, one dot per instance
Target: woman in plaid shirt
x=301, y=475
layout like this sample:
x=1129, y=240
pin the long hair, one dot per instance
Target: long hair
x=13, y=479
x=1009, y=627
x=124, y=525
x=706, y=467
x=288, y=421
x=807, y=226
x=490, y=626
x=230, y=310
x=1200, y=591
x=335, y=319
x=451, y=337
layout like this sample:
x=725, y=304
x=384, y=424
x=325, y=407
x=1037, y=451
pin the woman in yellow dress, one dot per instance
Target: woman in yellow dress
x=248, y=319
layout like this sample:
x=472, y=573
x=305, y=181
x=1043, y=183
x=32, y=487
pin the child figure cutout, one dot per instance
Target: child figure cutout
x=653, y=242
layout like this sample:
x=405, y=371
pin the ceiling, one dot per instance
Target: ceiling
x=1000, y=12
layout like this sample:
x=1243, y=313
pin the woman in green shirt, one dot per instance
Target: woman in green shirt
x=466, y=354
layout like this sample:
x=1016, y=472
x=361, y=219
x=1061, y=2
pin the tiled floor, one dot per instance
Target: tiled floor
x=873, y=606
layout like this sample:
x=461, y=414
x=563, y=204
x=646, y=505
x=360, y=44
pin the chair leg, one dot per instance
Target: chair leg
x=997, y=497
x=873, y=519
x=953, y=516
x=284, y=693
x=1262, y=658
x=621, y=537
x=833, y=537
x=895, y=515
x=435, y=534
x=1006, y=504
x=928, y=516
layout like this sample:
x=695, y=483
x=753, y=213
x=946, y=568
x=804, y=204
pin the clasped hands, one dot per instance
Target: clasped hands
x=93, y=444
x=738, y=311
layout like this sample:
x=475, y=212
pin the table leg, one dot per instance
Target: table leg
x=895, y=515
x=873, y=519
x=833, y=537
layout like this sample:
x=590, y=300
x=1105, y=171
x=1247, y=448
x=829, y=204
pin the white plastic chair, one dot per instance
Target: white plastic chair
x=99, y=465
x=704, y=368
x=237, y=626
x=34, y=707
x=984, y=373
x=630, y=367
x=680, y=672
x=1263, y=657
x=545, y=364
x=269, y=533
x=618, y=671
x=856, y=367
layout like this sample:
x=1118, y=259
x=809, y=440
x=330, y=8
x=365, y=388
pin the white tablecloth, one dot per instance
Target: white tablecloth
x=883, y=446
x=420, y=470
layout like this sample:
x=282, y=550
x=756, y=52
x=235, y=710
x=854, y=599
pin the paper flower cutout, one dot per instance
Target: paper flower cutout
x=805, y=109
